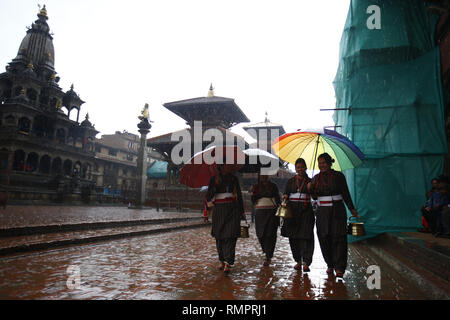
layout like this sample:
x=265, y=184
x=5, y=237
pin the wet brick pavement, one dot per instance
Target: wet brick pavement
x=182, y=265
x=27, y=216
x=53, y=237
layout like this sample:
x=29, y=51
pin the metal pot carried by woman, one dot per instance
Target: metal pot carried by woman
x=356, y=228
x=244, y=230
x=284, y=210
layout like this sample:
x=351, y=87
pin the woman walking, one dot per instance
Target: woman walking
x=299, y=228
x=225, y=198
x=330, y=188
x=266, y=198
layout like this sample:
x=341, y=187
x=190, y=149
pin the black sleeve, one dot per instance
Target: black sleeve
x=239, y=196
x=255, y=195
x=276, y=194
x=287, y=189
x=313, y=183
x=342, y=184
x=313, y=189
x=211, y=190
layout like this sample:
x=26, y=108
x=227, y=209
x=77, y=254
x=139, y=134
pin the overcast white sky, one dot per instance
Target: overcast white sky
x=278, y=56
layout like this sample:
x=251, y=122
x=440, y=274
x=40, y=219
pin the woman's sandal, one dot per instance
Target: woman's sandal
x=221, y=266
x=339, y=274
x=266, y=262
x=226, y=268
x=330, y=270
x=306, y=268
x=298, y=266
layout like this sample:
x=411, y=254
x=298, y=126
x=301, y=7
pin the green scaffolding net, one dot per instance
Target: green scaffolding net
x=388, y=82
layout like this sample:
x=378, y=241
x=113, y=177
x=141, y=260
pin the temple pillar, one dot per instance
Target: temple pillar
x=141, y=172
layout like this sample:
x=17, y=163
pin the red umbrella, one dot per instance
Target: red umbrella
x=204, y=165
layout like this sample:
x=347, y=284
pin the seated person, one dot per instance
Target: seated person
x=434, y=187
x=433, y=209
x=425, y=215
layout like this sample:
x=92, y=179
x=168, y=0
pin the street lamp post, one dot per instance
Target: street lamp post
x=144, y=128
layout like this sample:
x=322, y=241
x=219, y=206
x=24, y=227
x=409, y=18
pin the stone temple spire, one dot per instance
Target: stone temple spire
x=36, y=46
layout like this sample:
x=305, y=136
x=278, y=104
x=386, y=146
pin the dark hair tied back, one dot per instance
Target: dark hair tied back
x=301, y=160
x=328, y=159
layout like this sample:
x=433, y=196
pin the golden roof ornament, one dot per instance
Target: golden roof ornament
x=30, y=65
x=87, y=116
x=58, y=104
x=22, y=91
x=211, y=91
x=43, y=11
x=53, y=76
x=144, y=113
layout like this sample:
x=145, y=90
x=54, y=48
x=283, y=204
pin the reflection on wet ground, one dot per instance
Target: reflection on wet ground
x=182, y=265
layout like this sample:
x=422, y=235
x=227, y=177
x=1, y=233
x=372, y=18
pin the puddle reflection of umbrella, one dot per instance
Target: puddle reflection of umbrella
x=257, y=159
x=204, y=165
x=309, y=144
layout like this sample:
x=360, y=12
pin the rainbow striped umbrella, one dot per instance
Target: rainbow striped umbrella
x=309, y=144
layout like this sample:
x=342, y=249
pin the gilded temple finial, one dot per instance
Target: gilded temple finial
x=211, y=91
x=43, y=11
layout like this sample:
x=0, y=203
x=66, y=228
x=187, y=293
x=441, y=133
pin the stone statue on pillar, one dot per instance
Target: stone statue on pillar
x=141, y=172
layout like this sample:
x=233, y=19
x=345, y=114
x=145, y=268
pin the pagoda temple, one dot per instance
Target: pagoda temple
x=265, y=133
x=213, y=112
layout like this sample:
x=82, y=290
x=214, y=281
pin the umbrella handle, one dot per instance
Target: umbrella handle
x=315, y=154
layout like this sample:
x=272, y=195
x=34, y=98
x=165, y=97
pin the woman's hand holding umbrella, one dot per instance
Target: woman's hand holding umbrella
x=354, y=213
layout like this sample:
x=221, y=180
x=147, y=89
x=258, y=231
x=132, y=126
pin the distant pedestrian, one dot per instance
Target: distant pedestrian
x=266, y=199
x=330, y=188
x=224, y=197
x=299, y=228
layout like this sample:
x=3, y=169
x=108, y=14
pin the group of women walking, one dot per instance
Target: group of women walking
x=328, y=188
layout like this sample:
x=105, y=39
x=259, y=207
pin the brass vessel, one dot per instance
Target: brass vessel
x=284, y=211
x=356, y=228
